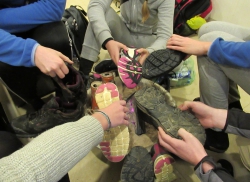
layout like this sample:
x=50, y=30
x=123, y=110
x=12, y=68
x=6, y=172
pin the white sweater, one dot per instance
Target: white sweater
x=52, y=154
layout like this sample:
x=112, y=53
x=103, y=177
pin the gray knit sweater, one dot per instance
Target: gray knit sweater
x=52, y=154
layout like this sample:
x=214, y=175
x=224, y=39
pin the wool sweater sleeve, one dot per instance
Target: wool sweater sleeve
x=52, y=154
x=230, y=53
x=164, y=25
x=16, y=51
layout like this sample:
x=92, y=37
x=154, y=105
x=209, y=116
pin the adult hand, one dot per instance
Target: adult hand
x=209, y=117
x=51, y=62
x=114, y=48
x=144, y=54
x=188, y=45
x=117, y=113
x=189, y=148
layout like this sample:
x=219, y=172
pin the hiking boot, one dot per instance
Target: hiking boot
x=72, y=86
x=129, y=68
x=115, y=143
x=163, y=164
x=154, y=102
x=161, y=62
x=137, y=166
x=53, y=113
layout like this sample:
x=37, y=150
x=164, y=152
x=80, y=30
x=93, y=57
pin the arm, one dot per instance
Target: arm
x=192, y=151
x=31, y=15
x=96, y=15
x=52, y=154
x=238, y=123
x=164, y=25
x=230, y=53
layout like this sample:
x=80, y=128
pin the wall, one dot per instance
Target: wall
x=233, y=11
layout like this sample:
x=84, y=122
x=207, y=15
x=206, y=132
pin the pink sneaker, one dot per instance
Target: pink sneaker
x=115, y=143
x=129, y=68
x=163, y=164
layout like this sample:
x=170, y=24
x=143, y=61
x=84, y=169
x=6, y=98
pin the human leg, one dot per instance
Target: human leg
x=230, y=28
x=215, y=72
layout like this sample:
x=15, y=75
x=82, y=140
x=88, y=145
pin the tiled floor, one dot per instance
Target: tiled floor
x=96, y=168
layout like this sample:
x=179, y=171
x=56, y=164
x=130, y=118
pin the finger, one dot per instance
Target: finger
x=125, y=109
x=185, y=106
x=126, y=122
x=52, y=74
x=123, y=102
x=65, y=58
x=60, y=74
x=164, y=144
x=184, y=134
x=122, y=46
x=64, y=68
x=126, y=116
x=165, y=137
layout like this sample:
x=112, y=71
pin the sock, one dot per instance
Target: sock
x=85, y=66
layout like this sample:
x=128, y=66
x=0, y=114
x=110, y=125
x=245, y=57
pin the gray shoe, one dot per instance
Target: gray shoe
x=154, y=102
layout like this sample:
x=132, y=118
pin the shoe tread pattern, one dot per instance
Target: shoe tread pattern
x=152, y=102
x=160, y=62
x=137, y=166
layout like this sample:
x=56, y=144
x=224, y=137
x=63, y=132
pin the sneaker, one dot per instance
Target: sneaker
x=115, y=143
x=129, y=68
x=137, y=166
x=163, y=168
x=72, y=86
x=154, y=102
x=53, y=113
x=161, y=62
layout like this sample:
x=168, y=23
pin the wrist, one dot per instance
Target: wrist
x=207, y=163
x=206, y=46
x=220, y=121
x=103, y=118
x=105, y=43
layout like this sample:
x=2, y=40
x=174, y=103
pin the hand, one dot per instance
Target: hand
x=114, y=48
x=209, y=117
x=189, y=148
x=51, y=62
x=117, y=113
x=144, y=54
x=188, y=45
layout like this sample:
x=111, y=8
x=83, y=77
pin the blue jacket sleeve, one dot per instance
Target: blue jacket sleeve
x=20, y=19
x=230, y=53
x=15, y=50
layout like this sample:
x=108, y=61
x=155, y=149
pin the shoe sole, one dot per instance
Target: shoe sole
x=153, y=101
x=137, y=166
x=115, y=141
x=163, y=168
x=160, y=62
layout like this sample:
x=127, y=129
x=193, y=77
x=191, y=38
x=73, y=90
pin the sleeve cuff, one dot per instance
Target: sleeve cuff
x=105, y=42
x=33, y=54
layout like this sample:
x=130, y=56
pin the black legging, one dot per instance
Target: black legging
x=30, y=83
x=9, y=143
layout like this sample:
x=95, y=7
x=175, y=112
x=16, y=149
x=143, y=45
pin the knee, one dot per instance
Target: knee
x=208, y=27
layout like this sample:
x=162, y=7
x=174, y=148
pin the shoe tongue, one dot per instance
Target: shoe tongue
x=52, y=103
